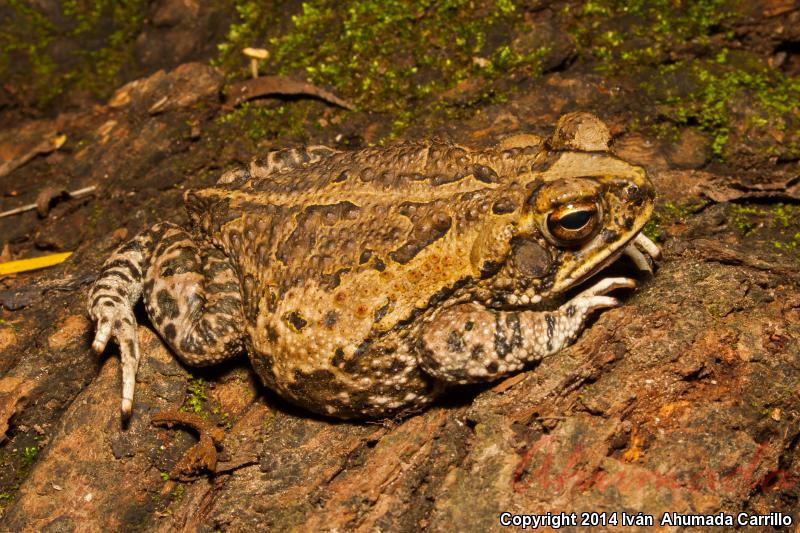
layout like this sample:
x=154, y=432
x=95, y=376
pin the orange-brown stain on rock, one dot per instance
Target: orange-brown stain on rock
x=68, y=331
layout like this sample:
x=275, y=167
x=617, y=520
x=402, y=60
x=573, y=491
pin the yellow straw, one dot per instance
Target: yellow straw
x=23, y=265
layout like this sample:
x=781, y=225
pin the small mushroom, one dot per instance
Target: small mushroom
x=255, y=54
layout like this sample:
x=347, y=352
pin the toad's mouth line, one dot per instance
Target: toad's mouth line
x=641, y=251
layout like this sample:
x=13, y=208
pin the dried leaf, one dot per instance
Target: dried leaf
x=48, y=145
x=23, y=265
x=47, y=195
x=244, y=91
x=13, y=395
x=728, y=188
x=508, y=383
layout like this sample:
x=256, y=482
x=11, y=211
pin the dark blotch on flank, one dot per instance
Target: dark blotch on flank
x=422, y=236
x=353, y=365
x=381, y=312
x=331, y=317
x=296, y=321
x=489, y=268
x=308, y=385
x=551, y=324
x=477, y=352
x=338, y=357
x=331, y=281
x=468, y=325
x=167, y=305
x=169, y=332
x=454, y=342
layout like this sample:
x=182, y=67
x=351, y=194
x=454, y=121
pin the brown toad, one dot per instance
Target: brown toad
x=361, y=283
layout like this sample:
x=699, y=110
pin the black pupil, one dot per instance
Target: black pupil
x=575, y=220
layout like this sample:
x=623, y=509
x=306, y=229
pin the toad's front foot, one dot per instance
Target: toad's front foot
x=468, y=342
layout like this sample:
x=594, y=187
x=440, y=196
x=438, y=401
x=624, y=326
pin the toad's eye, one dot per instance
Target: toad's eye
x=574, y=223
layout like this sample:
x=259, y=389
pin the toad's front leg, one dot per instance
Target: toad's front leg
x=191, y=294
x=469, y=343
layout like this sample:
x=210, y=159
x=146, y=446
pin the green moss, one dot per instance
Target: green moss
x=178, y=492
x=789, y=246
x=772, y=95
x=389, y=56
x=745, y=218
x=670, y=213
x=779, y=223
x=651, y=230
x=29, y=454
x=197, y=398
x=269, y=122
x=786, y=220
x=46, y=54
x=681, y=211
x=621, y=33
x=785, y=214
x=640, y=39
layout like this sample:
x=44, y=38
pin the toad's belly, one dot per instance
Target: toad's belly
x=374, y=383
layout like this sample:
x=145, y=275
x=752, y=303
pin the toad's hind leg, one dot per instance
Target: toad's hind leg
x=191, y=293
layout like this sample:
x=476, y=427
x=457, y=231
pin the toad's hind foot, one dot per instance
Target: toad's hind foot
x=191, y=294
x=111, y=302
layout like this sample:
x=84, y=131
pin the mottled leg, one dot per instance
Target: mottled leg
x=469, y=343
x=191, y=294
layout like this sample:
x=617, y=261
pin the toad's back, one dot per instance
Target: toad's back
x=331, y=246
